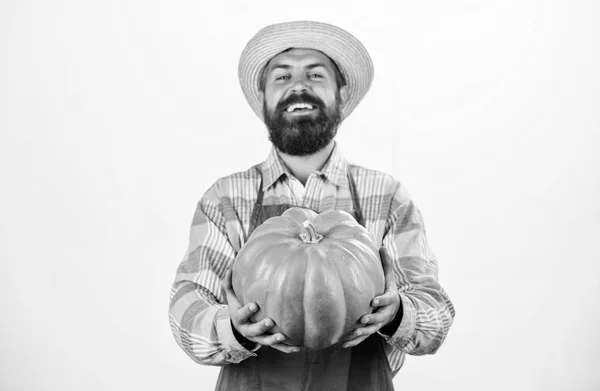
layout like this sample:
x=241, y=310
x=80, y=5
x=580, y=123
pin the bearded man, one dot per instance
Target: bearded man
x=303, y=79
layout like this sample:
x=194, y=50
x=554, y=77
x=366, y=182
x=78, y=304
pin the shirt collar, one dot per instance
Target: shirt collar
x=335, y=169
x=272, y=169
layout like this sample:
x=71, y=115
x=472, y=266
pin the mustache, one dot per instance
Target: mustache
x=300, y=98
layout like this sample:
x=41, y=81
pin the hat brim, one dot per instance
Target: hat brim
x=344, y=49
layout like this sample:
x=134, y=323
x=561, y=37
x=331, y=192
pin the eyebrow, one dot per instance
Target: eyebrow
x=310, y=66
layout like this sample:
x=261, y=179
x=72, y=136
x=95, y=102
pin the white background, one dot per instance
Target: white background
x=116, y=116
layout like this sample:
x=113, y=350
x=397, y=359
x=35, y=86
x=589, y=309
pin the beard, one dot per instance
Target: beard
x=302, y=135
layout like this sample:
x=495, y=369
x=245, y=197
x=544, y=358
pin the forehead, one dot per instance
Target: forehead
x=300, y=57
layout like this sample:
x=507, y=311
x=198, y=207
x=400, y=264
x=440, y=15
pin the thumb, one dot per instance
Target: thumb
x=226, y=281
x=388, y=269
x=386, y=262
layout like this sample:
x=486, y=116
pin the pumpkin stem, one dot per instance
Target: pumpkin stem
x=310, y=234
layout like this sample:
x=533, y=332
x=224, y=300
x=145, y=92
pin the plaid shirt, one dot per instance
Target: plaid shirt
x=199, y=318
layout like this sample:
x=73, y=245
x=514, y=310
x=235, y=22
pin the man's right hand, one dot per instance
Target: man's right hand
x=252, y=331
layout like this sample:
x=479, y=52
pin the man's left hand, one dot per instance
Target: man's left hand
x=386, y=306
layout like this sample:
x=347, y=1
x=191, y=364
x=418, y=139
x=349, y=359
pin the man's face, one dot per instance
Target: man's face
x=301, y=101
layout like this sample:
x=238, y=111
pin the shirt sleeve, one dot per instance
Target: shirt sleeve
x=198, y=313
x=427, y=310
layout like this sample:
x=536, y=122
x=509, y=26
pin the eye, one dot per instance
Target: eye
x=315, y=76
x=282, y=77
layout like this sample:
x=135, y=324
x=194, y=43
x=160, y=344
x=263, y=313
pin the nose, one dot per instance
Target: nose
x=298, y=86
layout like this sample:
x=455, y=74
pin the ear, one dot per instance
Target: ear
x=262, y=99
x=344, y=94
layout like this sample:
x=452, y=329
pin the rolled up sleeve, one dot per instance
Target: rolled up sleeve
x=427, y=312
x=198, y=313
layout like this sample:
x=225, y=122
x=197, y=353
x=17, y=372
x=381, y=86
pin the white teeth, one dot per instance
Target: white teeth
x=299, y=106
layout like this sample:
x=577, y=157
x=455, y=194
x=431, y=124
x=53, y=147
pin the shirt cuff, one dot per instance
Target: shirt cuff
x=232, y=346
x=407, y=326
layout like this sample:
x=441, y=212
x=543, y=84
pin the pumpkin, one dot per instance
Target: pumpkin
x=313, y=274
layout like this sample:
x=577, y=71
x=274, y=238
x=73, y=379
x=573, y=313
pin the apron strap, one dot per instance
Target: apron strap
x=259, y=197
x=358, y=213
x=255, y=218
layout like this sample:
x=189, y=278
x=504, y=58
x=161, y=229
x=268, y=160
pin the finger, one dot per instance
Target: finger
x=377, y=317
x=256, y=329
x=386, y=261
x=360, y=334
x=244, y=313
x=226, y=281
x=365, y=331
x=388, y=270
x=386, y=299
x=366, y=319
x=356, y=337
x=269, y=339
x=275, y=341
x=382, y=315
x=382, y=303
x=353, y=342
x=285, y=348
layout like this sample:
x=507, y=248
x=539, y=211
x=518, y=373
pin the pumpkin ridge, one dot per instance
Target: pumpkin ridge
x=269, y=296
x=356, y=248
x=348, y=316
x=332, y=218
x=287, y=318
x=317, y=275
x=305, y=320
x=356, y=270
x=347, y=229
x=244, y=268
x=303, y=317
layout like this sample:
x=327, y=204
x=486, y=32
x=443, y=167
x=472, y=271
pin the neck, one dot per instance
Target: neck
x=302, y=166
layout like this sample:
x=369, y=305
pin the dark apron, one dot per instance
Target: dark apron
x=363, y=367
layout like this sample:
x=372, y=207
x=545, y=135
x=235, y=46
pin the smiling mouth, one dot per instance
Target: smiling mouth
x=300, y=108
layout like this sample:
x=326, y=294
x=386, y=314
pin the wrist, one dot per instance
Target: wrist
x=392, y=326
x=245, y=342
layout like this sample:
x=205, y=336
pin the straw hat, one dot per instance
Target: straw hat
x=344, y=49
